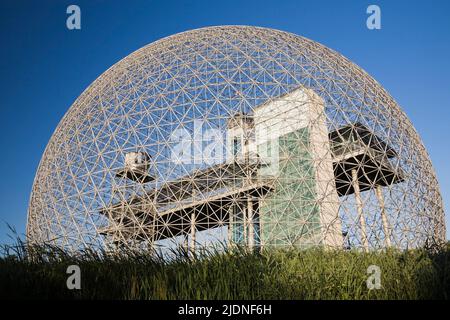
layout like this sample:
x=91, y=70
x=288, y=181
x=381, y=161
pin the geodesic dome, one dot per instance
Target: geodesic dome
x=235, y=134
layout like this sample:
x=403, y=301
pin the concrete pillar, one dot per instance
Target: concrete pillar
x=384, y=218
x=251, y=229
x=230, y=225
x=260, y=224
x=359, y=207
x=244, y=221
x=193, y=233
x=154, y=218
x=153, y=209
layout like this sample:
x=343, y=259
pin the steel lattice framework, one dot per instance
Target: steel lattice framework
x=239, y=134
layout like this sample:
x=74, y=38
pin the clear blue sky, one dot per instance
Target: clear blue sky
x=44, y=66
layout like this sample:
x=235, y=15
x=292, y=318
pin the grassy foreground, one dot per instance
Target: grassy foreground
x=237, y=274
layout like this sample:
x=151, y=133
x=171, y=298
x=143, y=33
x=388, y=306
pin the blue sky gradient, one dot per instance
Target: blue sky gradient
x=44, y=66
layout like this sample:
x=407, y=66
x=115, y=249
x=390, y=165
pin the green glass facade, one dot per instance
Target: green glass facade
x=292, y=206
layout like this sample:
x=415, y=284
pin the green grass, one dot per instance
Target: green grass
x=236, y=274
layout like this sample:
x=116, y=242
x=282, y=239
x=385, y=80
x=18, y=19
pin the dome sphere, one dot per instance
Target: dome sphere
x=235, y=134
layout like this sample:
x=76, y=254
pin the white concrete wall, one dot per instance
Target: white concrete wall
x=327, y=196
x=275, y=119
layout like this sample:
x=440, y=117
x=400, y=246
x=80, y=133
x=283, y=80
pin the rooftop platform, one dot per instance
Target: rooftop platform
x=354, y=147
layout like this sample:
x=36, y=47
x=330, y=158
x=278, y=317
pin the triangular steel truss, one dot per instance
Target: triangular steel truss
x=308, y=150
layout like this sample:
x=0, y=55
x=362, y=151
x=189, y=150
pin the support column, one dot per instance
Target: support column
x=193, y=233
x=230, y=225
x=359, y=207
x=154, y=211
x=260, y=224
x=251, y=229
x=244, y=222
x=384, y=219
